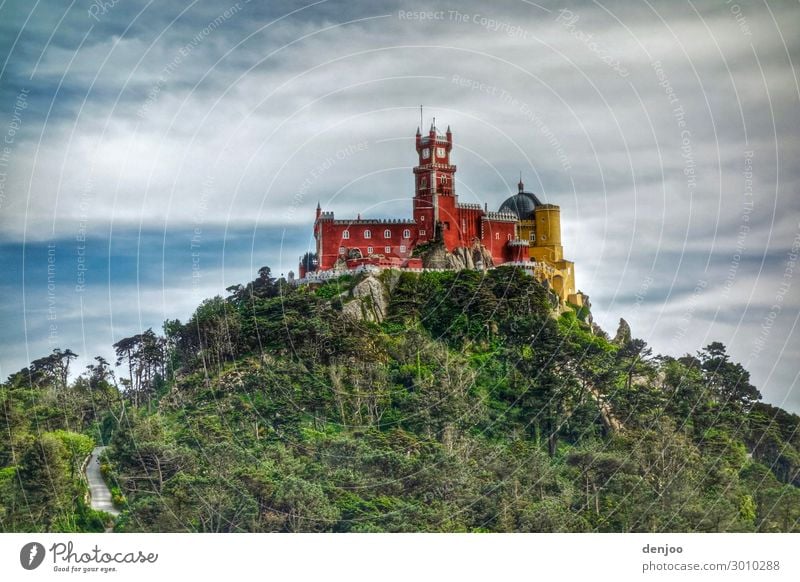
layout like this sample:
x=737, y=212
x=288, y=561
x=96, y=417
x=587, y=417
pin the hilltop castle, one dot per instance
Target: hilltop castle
x=444, y=233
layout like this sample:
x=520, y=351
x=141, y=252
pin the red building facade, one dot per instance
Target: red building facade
x=436, y=215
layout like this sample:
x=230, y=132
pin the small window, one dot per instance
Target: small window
x=387, y=250
x=509, y=237
x=367, y=233
x=423, y=182
x=370, y=251
x=497, y=236
x=346, y=234
x=387, y=233
x=422, y=232
x=406, y=233
x=544, y=237
x=402, y=248
x=341, y=250
x=422, y=218
x=443, y=179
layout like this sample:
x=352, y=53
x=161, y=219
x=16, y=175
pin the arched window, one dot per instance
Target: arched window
x=509, y=237
x=423, y=182
x=387, y=233
x=367, y=233
x=346, y=234
x=370, y=251
x=497, y=236
x=406, y=233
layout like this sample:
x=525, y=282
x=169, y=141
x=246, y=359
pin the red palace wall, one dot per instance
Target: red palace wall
x=496, y=236
x=331, y=238
x=469, y=223
x=423, y=215
x=450, y=220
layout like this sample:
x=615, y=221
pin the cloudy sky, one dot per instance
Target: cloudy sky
x=154, y=153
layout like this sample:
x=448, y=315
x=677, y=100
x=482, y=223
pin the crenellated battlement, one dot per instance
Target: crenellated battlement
x=378, y=221
x=503, y=216
x=469, y=206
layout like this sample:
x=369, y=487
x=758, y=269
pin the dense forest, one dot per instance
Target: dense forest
x=439, y=401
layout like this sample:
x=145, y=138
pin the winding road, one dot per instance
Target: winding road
x=98, y=490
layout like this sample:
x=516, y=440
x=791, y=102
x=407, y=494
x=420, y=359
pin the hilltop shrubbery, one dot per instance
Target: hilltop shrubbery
x=472, y=406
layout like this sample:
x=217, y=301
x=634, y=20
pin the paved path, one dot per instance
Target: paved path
x=98, y=490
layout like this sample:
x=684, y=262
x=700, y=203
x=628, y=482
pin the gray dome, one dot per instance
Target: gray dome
x=521, y=204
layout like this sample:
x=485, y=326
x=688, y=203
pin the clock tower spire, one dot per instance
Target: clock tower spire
x=434, y=182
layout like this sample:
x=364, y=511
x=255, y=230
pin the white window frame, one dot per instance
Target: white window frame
x=367, y=233
x=370, y=251
x=406, y=234
x=402, y=248
x=497, y=236
x=387, y=250
x=422, y=232
x=342, y=250
x=387, y=233
x=346, y=234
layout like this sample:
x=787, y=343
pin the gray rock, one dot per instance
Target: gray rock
x=369, y=301
x=467, y=253
x=473, y=258
x=623, y=336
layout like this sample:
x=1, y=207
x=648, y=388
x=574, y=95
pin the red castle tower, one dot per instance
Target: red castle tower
x=434, y=191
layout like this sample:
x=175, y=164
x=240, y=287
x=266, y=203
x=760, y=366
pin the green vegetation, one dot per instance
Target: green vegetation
x=471, y=406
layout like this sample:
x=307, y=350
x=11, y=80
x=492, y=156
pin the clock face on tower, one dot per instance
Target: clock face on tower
x=440, y=152
x=426, y=153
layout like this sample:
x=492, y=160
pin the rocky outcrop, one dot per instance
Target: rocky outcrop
x=598, y=331
x=473, y=258
x=435, y=257
x=369, y=301
x=610, y=420
x=623, y=336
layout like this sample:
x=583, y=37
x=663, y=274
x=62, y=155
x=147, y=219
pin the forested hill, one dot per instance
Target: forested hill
x=439, y=401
